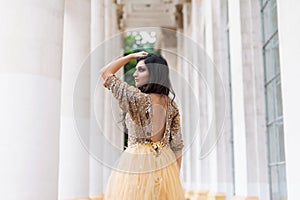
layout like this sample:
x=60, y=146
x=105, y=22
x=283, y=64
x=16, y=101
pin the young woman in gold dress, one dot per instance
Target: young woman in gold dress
x=149, y=168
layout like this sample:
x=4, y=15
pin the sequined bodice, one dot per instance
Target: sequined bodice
x=138, y=133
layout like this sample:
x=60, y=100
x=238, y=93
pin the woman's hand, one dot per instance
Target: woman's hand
x=138, y=54
x=114, y=66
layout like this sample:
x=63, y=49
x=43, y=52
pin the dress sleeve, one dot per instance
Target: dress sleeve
x=176, y=142
x=130, y=98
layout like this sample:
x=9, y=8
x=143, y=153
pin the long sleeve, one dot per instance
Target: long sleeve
x=176, y=142
x=130, y=98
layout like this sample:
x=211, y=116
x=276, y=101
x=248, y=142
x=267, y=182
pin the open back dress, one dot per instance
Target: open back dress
x=146, y=170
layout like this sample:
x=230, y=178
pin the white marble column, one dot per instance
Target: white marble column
x=178, y=87
x=211, y=98
x=112, y=145
x=169, y=47
x=97, y=104
x=223, y=99
x=195, y=80
x=238, y=111
x=289, y=17
x=106, y=133
x=184, y=97
x=30, y=84
x=204, y=100
x=254, y=99
x=74, y=138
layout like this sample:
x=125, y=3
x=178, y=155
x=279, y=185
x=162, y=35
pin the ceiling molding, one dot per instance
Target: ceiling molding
x=152, y=13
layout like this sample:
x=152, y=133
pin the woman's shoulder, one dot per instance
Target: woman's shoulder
x=112, y=80
x=124, y=92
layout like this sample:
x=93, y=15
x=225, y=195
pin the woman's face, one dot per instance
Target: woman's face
x=141, y=74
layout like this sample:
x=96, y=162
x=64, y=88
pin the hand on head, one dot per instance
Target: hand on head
x=138, y=54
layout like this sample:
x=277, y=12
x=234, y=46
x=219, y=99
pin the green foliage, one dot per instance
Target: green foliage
x=135, y=43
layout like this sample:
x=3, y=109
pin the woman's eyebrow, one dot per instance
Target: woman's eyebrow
x=140, y=66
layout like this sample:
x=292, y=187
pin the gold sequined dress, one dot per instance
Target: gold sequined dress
x=146, y=170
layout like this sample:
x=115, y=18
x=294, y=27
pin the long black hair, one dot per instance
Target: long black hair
x=159, y=80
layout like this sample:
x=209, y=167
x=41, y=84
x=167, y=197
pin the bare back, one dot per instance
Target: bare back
x=160, y=108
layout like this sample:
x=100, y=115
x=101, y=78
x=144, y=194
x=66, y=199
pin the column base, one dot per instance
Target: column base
x=98, y=197
x=196, y=194
x=216, y=196
x=204, y=195
x=201, y=194
x=244, y=198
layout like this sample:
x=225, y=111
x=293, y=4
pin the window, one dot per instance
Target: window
x=275, y=132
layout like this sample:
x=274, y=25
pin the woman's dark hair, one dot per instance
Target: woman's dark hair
x=159, y=80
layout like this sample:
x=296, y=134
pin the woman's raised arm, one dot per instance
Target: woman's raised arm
x=114, y=66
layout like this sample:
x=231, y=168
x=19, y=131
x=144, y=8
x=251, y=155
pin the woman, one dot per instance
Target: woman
x=149, y=168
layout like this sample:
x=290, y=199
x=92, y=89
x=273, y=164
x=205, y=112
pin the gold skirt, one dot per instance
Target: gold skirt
x=145, y=172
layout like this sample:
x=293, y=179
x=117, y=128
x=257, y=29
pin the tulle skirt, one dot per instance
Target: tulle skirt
x=143, y=173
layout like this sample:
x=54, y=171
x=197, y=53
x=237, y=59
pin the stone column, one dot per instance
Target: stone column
x=195, y=82
x=223, y=99
x=254, y=99
x=184, y=96
x=211, y=98
x=289, y=16
x=179, y=83
x=238, y=111
x=112, y=145
x=74, y=138
x=203, y=95
x=30, y=84
x=169, y=47
x=97, y=104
